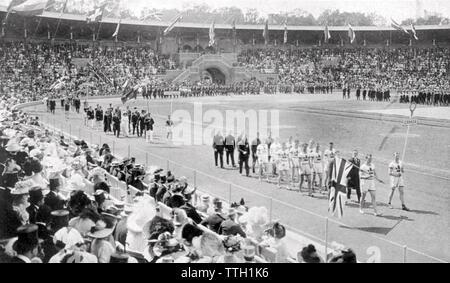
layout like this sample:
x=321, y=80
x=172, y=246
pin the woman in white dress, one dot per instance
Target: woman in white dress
x=124, y=124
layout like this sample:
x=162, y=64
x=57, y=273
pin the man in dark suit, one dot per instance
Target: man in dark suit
x=141, y=124
x=353, y=179
x=214, y=220
x=358, y=93
x=134, y=120
x=52, y=199
x=230, y=144
x=27, y=244
x=229, y=227
x=244, y=154
x=218, y=146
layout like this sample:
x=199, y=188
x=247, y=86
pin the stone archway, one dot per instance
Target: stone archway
x=217, y=76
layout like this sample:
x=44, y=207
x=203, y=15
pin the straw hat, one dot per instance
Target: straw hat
x=13, y=147
x=22, y=188
x=99, y=231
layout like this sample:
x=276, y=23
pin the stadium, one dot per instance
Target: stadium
x=127, y=123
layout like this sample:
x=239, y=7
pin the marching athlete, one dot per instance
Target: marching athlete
x=274, y=148
x=294, y=161
x=327, y=158
x=305, y=168
x=396, y=171
x=311, y=148
x=368, y=176
x=262, y=154
x=282, y=163
x=169, y=129
x=66, y=108
x=316, y=156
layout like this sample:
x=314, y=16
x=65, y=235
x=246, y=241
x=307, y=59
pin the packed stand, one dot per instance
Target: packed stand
x=406, y=71
x=33, y=71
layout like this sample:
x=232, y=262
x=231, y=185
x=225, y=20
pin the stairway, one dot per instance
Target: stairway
x=222, y=62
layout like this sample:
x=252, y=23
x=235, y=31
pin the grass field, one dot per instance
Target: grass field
x=370, y=127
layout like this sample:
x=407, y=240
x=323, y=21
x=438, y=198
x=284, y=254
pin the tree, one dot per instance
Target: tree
x=251, y=16
x=338, y=18
x=433, y=19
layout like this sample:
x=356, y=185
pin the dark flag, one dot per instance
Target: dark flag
x=129, y=94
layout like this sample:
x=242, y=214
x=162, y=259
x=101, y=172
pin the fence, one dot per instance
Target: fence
x=305, y=227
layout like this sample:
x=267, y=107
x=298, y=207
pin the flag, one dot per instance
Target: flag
x=129, y=94
x=59, y=83
x=99, y=74
x=351, y=34
x=33, y=7
x=172, y=25
x=116, y=32
x=327, y=34
x=414, y=32
x=285, y=40
x=96, y=15
x=266, y=32
x=124, y=86
x=395, y=25
x=212, y=35
x=339, y=172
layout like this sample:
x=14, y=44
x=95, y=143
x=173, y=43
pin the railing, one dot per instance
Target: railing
x=305, y=228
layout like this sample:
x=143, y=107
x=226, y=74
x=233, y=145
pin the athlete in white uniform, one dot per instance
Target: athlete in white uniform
x=328, y=156
x=274, y=148
x=311, y=146
x=294, y=161
x=305, y=168
x=316, y=156
x=396, y=171
x=282, y=162
x=368, y=176
x=262, y=152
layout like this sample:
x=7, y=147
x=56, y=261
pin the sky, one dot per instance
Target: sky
x=396, y=9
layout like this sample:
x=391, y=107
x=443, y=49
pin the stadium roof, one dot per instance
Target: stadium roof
x=154, y=23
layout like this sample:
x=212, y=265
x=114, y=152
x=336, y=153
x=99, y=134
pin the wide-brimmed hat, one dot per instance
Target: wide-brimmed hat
x=99, y=231
x=22, y=187
x=13, y=147
x=36, y=153
x=26, y=235
x=241, y=210
x=157, y=226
